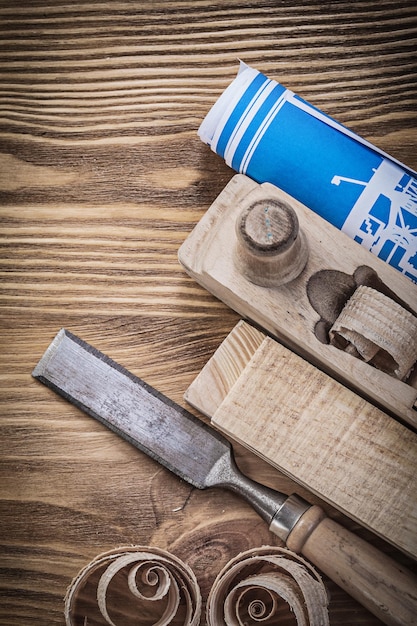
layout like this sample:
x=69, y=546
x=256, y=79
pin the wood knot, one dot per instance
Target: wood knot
x=270, y=250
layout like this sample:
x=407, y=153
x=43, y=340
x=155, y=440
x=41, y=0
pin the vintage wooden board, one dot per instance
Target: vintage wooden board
x=286, y=311
x=315, y=430
x=102, y=179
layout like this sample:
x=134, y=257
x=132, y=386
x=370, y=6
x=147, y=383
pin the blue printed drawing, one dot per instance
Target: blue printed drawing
x=269, y=133
x=384, y=217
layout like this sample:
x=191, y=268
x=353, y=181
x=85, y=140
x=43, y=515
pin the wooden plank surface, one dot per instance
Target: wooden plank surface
x=102, y=177
x=315, y=430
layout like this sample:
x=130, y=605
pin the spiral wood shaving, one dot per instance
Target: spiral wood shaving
x=376, y=329
x=268, y=585
x=134, y=585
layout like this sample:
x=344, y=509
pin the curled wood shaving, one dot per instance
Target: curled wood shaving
x=270, y=585
x=378, y=330
x=134, y=585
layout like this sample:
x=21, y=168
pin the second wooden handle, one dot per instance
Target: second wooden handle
x=374, y=579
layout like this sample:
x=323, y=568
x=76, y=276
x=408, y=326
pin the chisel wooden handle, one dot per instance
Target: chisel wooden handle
x=375, y=580
x=368, y=575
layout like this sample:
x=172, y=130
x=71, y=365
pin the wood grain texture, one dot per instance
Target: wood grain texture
x=102, y=177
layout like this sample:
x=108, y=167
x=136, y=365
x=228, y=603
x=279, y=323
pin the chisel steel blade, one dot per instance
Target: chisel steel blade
x=127, y=405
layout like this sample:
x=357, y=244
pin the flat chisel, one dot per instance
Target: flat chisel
x=201, y=456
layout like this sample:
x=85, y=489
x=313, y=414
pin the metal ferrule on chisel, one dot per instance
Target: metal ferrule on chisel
x=280, y=511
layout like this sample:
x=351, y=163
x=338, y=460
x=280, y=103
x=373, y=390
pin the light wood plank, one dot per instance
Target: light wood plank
x=316, y=431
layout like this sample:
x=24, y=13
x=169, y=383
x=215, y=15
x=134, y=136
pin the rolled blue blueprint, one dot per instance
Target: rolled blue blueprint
x=270, y=134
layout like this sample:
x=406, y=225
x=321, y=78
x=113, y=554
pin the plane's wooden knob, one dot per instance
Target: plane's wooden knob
x=271, y=250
